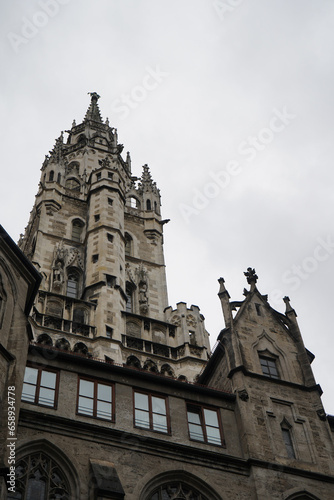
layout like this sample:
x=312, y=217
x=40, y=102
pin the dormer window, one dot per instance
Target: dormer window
x=269, y=367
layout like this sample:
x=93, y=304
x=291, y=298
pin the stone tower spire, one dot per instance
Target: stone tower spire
x=96, y=235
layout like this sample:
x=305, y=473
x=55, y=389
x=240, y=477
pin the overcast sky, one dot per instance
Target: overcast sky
x=230, y=102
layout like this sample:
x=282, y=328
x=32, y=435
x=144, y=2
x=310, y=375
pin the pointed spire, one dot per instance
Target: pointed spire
x=93, y=112
x=128, y=161
x=225, y=302
x=56, y=155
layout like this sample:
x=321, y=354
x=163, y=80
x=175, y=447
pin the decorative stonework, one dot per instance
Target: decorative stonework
x=243, y=395
x=176, y=320
x=191, y=321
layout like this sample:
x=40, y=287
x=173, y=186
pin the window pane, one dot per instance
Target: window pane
x=103, y=410
x=104, y=392
x=85, y=406
x=142, y=419
x=194, y=418
x=196, y=432
x=213, y=435
x=46, y=397
x=159, y=423
x=48, y=379
x=28, y=393
x=211, y=417
x=158, y=405
x=86, y=388
x=31, y=375
x=36, y=489
x=141, y=401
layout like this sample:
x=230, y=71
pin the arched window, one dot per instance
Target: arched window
x=176, y=491
x=287, y=438
x=80, y=348
x=148, y=205
x=72, y=184
x=3, y=300
x=59, y=178
x=38, y=477
x=77, y=227
x=128, y=244
x=44, y=339
x=51, y=176
x=72, y=284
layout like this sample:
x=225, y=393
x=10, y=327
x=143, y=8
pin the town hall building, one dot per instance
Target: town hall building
x=118, y=395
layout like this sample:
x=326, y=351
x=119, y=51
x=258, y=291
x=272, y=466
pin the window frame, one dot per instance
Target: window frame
x=201, y=408
x=271, y=374
x=38, y=386
x=151, y=394
x=96, y=381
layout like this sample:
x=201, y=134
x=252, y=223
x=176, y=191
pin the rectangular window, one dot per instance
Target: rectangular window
x=95, y=399
x=204, y=424
x=150, y=412
x=269, y=368
x=98, y=176
x=40, y=387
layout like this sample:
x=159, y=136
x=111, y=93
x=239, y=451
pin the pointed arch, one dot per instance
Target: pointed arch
x=297, y=494
x=176, y=481
x=266, y=346
x=63, y=470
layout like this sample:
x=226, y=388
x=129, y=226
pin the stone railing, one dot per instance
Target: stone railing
x=64, y=325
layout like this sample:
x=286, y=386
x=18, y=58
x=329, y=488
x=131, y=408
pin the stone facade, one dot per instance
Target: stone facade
x=122, y=396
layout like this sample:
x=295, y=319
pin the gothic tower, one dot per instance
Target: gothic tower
x=96, y=236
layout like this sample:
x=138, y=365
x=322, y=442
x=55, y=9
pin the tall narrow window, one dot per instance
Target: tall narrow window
x=204, y=424
x=77, y=227
x=286, y=433
x=128, y=244
x=72, y=285
x=150, y=412
x=129, y=301
x=95, y=399
x=51, y=176
x=148, y=204
x=269, y=367
x=40, y=387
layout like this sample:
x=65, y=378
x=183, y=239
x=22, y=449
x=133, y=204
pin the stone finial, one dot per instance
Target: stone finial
x=93, y=112
x=107, y=121
x=286, y=300
x=251, y=276
x=74, y=123
x=222, y=288
x=94, y=96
